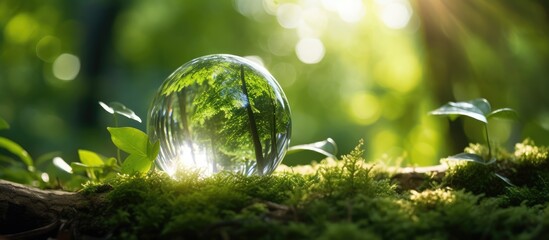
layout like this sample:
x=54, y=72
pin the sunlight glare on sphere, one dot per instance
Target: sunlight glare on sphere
x=220, y=113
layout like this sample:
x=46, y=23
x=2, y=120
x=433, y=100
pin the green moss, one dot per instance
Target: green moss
x=527, y=167
x=347, y=199
x=531, y=165
x=476, y=178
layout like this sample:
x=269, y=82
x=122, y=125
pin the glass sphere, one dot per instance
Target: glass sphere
x=220, y=113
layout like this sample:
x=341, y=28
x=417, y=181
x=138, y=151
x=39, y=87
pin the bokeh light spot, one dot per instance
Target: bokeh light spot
x=399, y=71
x=20, y=28
x=310, y=50
x=48, y=48
x=251, y=9
x=60, y=163
x=289, y=15
x=350, y=11
x=45, y=177
x=270, y=6
x=364, y=108
x=384, y=140
x=395, y=14
x=66, y=67
x=313, y=23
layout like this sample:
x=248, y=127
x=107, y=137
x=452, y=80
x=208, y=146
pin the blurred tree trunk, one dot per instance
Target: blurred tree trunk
x=445, y=63
x=98, y=19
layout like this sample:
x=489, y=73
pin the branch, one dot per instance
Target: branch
x=28, y=213
x=414, y=177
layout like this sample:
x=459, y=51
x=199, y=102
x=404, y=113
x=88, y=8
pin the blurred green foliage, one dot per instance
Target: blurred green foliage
x=351, y=69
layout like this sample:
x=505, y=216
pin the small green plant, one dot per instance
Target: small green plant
x=478, y=109
x=15, y=148
x=141, y=152
x=17, y=151
x=116, y=108
x=18, y=165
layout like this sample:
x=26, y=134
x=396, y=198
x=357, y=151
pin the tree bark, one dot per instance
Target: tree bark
x=413, y=178
x=30, y=213
x=40, y=202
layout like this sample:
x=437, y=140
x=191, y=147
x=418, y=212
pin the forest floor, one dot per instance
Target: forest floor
x=334, y=199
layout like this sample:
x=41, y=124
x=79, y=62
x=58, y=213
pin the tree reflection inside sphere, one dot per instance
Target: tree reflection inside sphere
x=220, y=113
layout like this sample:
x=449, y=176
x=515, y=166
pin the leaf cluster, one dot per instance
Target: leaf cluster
x=52, y=171
x=481, y=110
x=19, y=166
x=478, y=109
x=141, y=151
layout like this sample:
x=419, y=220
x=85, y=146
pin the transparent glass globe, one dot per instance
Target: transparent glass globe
x=220, y=113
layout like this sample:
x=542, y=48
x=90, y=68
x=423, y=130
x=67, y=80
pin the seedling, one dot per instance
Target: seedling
x=141, y=152
x=116, y=108
x=478, y=109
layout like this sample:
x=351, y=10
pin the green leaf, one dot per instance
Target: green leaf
x=130, y=140
x=8, y=160
x=4, y=124
x=17, y=150
x=471, y=157
x=90, y=158
x=327, y=148
x=18, y=175
x=477, y=109
x=136, y=143
x=153, y=149
x=61, y=164
x=482, y=104
x=119, y=108
x=111, y=162
x=136, y=164
x=78, y=167
x=506, y=113
x=92, y=161
x=506, y=180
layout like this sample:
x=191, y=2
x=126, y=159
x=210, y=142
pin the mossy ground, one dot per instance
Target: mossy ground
x=345, y=199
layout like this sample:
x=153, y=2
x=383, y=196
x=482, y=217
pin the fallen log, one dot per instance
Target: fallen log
x=30, y=213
